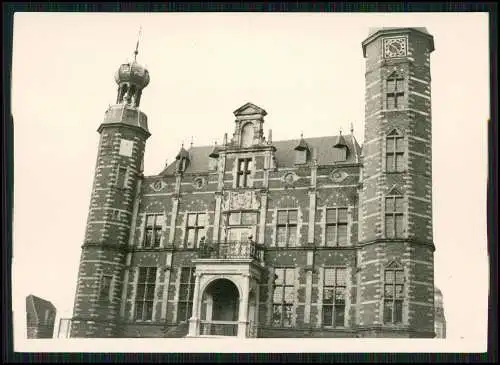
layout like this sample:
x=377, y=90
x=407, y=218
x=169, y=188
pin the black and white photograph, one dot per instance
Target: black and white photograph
x=254, y=182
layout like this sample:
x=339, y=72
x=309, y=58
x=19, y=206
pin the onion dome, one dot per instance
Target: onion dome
x=132, y=73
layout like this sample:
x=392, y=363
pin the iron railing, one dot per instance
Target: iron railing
x=218, y=328
x=231, y=250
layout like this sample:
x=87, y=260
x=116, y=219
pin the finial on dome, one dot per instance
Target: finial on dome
x=340, y=130
x=191, y=144
x=301, y=135
x=352, y=128
x=136, y=52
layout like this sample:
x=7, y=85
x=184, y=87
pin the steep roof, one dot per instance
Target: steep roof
x=285, y=156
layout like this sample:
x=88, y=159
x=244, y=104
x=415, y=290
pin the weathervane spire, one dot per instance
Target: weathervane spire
x=137, y=44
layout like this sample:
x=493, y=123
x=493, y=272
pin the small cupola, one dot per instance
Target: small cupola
x=182, y=160
x=302, y=151
x=340, y=148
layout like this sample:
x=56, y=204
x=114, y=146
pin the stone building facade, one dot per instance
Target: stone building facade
x=40, y=317
x=313, y=237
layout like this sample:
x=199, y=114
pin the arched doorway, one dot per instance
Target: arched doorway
x=220, y=309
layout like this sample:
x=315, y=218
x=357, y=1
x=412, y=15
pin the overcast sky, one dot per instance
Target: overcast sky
x=305, y=70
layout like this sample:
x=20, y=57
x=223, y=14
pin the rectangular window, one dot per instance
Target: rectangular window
x=105, y=288
x=300, y=157
x=395, y=93
x=286, y=228
x=334, y=292
x=186, y=293
x=121, y=181
x=195, y=229
x=394, y=153
x=393, y=296
x=336, y=227
x=394, y=227
x=244, y=170
x=154, y=227
x=145, y=294
x=283, y=296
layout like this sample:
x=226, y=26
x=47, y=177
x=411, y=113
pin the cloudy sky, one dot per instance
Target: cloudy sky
x=306, y=70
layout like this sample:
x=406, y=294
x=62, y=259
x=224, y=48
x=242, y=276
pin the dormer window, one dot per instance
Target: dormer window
x=247, y=133
x=301, y=152
x=300, y=157
x=340, y=150
x=182, y=160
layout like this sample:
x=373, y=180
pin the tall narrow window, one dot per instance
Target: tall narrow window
x=145, y=294
x=195, y=229
x=336, y=227
x=121, y=181
x=283, y=297
x=286, y=228
x=395, y=92
x=186, y=293
x=105, y=288
x=244, y=170
x=394, y=217
x=334, y=291
x=247, y=135
x=154, y=227
x=393, y=294
x=394, y=152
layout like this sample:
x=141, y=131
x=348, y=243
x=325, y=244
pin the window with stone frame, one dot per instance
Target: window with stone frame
x=186, y=294
x=241, y=226
x=283, y=296
x=394, y=217
x=336, y=227
x=395, y=91
x=393, y=294
x=244, y=169
x=286, y=228
x=153, y=230
x=145, y=293
x=121, y=179
x=195, y=229
x=105, y=294
x=334, y=293
x=394, y=152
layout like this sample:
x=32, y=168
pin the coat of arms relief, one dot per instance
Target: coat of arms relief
x=236, y=200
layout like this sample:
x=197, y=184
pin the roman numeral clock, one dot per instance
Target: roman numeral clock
x=395, y=47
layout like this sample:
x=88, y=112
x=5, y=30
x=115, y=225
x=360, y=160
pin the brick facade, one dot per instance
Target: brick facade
x=206, y=181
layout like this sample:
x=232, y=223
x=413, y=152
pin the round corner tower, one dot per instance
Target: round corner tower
x=118, y=172
x=396, y=253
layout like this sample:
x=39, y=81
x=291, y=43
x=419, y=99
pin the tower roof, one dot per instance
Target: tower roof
x=374, y=33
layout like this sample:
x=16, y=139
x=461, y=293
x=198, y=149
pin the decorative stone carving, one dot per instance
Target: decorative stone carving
x=235, y=200
x=158, y=185
x=199, y=182
x=338, y=176
x=290, y=178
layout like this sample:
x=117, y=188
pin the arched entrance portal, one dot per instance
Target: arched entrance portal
x=220, y=309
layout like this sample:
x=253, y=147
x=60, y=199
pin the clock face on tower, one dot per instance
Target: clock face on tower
x=394, y=47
